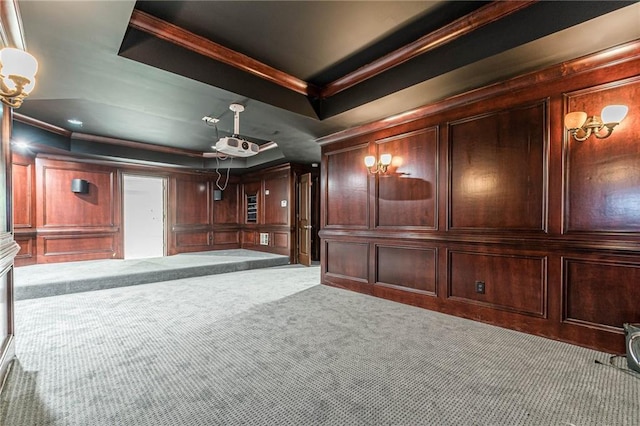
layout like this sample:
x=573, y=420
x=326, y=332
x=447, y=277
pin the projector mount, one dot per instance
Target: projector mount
x=237, y=109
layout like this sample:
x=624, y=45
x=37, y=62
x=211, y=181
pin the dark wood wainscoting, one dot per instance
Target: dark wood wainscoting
x=73, y=225
x=491, y=211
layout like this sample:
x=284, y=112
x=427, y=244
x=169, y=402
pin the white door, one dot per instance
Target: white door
x=143, y=217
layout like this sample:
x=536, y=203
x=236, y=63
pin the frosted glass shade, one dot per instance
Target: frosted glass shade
x=385, y=159
x=18, y=62
x=614, y=113
x=369, y=160
x=575, y=120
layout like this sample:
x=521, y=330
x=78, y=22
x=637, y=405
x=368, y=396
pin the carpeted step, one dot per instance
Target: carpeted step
x=36, y=281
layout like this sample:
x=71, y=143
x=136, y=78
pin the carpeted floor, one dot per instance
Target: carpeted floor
x=272, y=347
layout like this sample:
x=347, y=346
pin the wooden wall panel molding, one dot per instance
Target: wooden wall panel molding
x=226, y=237
x=192, y=240
x=23, y=185
x=226, y=211
x=559, y=233
x=63, y=248
x=58, y=207
x=27, y=254
x=602, y=175
x=601, y=292
x=192, y=200
x=497, y=171
x=408, y=268
x=513, y=282
x=276, y=190
x=407, y=195
x=280, y=239
x=347, y=260
x=347, y=180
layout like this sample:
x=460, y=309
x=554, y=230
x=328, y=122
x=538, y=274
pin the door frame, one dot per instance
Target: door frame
x=165, y=208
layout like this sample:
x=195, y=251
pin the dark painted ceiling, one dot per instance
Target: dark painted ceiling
x=128, y=85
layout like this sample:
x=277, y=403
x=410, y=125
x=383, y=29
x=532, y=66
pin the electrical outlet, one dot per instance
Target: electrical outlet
x=480, y=287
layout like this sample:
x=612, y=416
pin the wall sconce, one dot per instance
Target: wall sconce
x=581, y=126
x=380, y=166
x=17, y=76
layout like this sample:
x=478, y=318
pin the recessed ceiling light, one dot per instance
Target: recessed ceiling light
x=75, y=122
x=21, y=144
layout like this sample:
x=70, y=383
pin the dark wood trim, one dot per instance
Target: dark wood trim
x=606, y=58
x=458, y=28
x=41, y=125
x=198, y=44
x=136, y=145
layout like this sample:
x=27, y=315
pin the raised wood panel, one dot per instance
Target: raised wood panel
x=601, y=293
x=603, y=175
x=23, y=172
x=192, y=201
x=62, y=248
x=250, y=238
x=27, y=247
x=225, y=211
x=497, y=171
x=280, y=239
x=63, y=208
x=407, y=194
x=276, y=190
x=513, y=282
x=226, y=237
x=191, y=239
x=410, y=268
x=347, y=181
x=347, y=260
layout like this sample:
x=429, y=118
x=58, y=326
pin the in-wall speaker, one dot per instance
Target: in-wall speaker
x=217, y=195
x=79, y=186
x=632, y=337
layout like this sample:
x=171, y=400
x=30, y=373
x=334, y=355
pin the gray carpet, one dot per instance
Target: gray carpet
x=54, y=279
x=271, y=347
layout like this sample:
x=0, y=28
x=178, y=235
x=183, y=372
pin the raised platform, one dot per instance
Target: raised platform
x=44, y=280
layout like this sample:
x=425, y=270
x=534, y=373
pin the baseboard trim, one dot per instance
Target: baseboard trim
x=7, y=357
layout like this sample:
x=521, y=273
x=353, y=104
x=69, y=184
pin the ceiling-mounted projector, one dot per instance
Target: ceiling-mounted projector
x=236, y=147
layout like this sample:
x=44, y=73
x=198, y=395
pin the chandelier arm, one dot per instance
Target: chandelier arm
x=576, y=136
x=18, y=92
x=598, y=133
x=13, y=103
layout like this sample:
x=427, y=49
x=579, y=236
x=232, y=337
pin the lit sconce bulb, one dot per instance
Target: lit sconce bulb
x=581, y=126
x=614, y=113
x=380, y=166
x=17, y=76
x=369, y=161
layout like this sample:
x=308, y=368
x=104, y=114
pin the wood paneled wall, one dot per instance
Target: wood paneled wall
x=276, y=201
x=491, y=211
x=54, y=224
x=76, y=226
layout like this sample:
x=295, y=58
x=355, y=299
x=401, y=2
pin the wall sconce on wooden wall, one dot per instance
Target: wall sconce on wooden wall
x=79, y=186
x=581, y=126
x=380, y=166
x=17, y=76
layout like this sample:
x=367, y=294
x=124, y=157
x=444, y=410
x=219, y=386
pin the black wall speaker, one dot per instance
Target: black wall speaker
x=79, y=186
x=632, y=336
x=217, y=195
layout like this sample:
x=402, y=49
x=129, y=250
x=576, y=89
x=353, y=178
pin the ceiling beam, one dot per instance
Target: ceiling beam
x=458, y=28
x=179, y=36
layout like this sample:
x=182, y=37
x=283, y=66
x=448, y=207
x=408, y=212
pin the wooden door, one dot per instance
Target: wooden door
x=304, y=220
